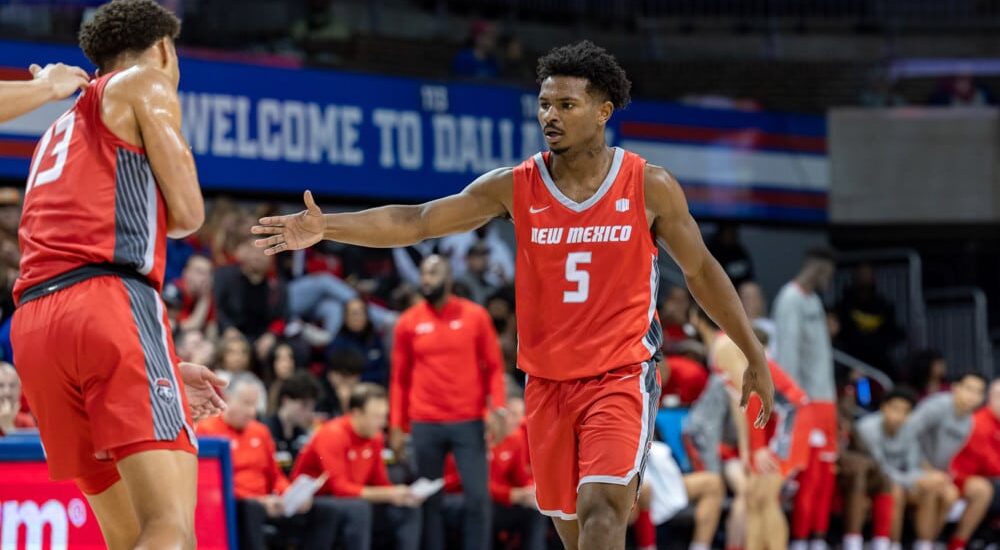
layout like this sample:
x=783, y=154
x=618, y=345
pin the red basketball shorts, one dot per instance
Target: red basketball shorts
x=97, y=364
x=589, y=430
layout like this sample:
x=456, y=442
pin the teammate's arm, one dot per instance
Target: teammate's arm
x=158, y=112
x=53, y=82
x=677, y=230
x=485, y=198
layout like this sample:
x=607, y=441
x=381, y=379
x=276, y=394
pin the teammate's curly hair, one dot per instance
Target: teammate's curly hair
x=588, y=60
x=123, y=26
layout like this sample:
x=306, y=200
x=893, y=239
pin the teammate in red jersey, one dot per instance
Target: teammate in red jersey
x=587, y=217
x=109, y=181
x=56, y=81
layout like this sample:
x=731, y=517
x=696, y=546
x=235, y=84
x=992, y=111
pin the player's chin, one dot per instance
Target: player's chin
x=558, y=149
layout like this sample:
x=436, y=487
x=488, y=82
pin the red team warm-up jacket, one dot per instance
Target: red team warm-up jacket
x=255, y=470
x=446, y=365
x=981, y=454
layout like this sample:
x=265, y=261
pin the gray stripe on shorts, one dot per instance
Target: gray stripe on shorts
x=163, y=389
x=653, y=390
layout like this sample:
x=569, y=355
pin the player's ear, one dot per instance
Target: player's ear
x=604, y=111
x=163, y=52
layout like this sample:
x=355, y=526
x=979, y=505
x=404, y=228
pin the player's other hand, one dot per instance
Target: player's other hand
x=64, y=80
x=757, y=379
x=203, y=390
x=291, y=232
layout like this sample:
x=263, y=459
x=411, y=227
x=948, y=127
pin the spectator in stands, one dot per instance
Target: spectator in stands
x=342, y=375
x=359, y=334
x=234, y=359
x=683, y=375
x=725, y=245
x=978, y=463
x=804, y=351
x=11, y=416
x=501, y=308
x=194, y=293
x=475, y=278
x=942, y=424
x=447, y=376
x=349, y=451
x=928, y=371
x=962, y=91
x=249, y=300
x=322, y=297
x=752, y=298
x=479, y=58
x=193, y=347
x=291, y=424
x=281, y=365
x=868, y=327
x=898, y=454
x=674, y=314
x=864, y=486
x=257, y=481
x=499, y=257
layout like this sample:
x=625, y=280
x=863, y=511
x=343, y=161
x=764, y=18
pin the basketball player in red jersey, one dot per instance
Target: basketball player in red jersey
x=587, y=219
x=53, y=82
x=109, y=181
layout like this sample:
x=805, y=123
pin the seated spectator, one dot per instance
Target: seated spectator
x=674, y=314
x=11, y=416
x=359, y=334
x=499, y=258
x=727, y=248
x=257, y=481
x=479, y=58
x=281, y=365
x=683, y=379
x=349, y=450
x=322, y=297
x=898, y=454
x=864, y=486
x=868, y=328
x=193, y=291
x=752, y=298
x=978, y=463
x=476, y=278
x=942, y=424
x=961, y=91
x=928, y=371
x=193, y=347
x=342, y=375
x=292, y=422
x=249, y=300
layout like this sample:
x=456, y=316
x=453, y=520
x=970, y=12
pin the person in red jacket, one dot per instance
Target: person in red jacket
x=349, y=450
x=980, y=457
x=447, y=376
x=258, y=481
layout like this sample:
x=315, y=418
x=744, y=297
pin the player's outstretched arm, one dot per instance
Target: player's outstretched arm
x=157, y=109
x=486, y=198
x=707, y=281
x=53, y=82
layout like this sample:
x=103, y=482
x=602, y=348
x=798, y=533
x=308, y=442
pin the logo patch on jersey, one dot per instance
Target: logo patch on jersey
x=621, y=205
x=164, y=389
x=533, y=210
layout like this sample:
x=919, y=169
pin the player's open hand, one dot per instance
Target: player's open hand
x=203, y=387
x=757, y=379
x=64, y=79
x=291, y=232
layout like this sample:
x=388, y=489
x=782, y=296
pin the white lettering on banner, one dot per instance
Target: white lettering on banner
x=466, y=143
x=27, y=514
x=407, y=145
x=287, y=130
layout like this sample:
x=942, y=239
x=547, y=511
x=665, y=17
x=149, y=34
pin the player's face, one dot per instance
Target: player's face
x=894, y=413
x=969, y=393
x=568, y=114
x=373, y=418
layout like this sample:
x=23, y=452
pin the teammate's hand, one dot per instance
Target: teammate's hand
x=757, y=379
x=765, y=461
x=273, y=506
x=403, y=497
x=203, y=387
x=63, y=79
x=291, y=232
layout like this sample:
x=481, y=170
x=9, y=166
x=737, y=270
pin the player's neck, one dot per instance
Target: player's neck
x=589, y=161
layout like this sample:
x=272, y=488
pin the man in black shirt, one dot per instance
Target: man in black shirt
x=291, y=424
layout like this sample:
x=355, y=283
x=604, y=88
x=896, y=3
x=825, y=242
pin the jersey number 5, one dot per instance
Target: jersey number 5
x=576, y=275
x=64, y=127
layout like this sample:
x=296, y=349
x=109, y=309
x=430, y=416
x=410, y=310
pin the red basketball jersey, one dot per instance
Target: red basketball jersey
x=587, y=276
x=91, y=198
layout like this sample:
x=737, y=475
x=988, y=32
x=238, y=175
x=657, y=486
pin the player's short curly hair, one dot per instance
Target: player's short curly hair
x=588, y=60
x=123, y=26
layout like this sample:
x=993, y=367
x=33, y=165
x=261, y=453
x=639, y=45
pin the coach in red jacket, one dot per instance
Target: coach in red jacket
x=447, y=376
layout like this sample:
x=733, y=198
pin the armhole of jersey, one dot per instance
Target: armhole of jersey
x=112, y=138
x=519, y=175
x=641, y=200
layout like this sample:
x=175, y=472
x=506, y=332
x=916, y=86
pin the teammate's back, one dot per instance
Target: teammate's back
x=91, y=198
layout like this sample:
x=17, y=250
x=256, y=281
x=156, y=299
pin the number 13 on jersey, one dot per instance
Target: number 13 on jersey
x=63, y=127
x=576, y=275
